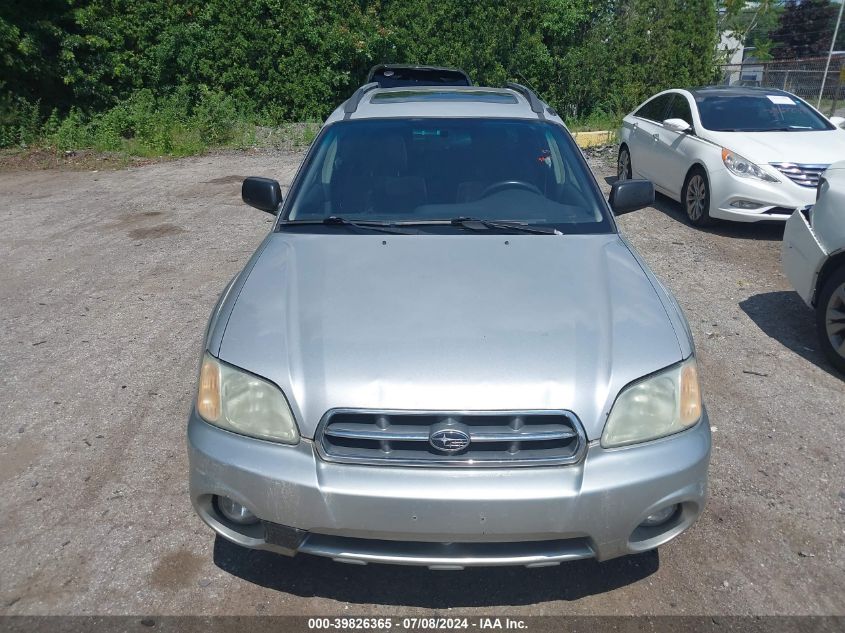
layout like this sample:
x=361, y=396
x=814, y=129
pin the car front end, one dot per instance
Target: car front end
x=523, y=428
x=748, y=191
x=768, y=149
x=813, y=259
x=609, y=503
x=815, y=234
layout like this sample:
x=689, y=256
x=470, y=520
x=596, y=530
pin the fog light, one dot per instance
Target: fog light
x=659, y=517
x=235, y=512
x=745, y=204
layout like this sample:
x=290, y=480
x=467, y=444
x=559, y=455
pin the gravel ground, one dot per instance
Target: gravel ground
x=109, y=278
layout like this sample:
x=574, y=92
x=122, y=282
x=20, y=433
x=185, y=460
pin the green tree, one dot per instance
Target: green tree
x=282, y=58
x=637, y=48
x=804, y=30
x=492, y=41
x=160, y=69
x=750, y=22
x=30, y=42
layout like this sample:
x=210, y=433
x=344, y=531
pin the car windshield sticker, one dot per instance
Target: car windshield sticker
x=780, y=100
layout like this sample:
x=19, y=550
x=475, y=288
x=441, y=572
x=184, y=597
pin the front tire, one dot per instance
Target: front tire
x=830, y=318
x=695, y=198
x=623, y=164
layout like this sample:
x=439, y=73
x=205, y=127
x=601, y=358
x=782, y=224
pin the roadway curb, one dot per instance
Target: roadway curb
x=591, y=139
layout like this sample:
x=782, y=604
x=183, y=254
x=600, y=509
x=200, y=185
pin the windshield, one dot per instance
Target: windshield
x=758, y=113
x=417, y=170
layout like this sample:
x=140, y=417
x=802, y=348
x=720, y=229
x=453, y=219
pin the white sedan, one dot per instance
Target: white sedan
x=814, y=260
x=731, y=153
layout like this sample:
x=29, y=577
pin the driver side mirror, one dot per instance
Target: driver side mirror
x=838, y=121
x=630, y=195
x=677, y=125
x=262, y=193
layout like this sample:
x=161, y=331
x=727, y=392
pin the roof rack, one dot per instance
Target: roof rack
x=533, y=100
x=351, y=104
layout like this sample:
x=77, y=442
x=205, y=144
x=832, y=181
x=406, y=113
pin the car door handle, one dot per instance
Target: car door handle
x=655, y=136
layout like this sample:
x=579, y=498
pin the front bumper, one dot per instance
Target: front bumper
x=777, y=200
x=802, y=256
x=449, y=518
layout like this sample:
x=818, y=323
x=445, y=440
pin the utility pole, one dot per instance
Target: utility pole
x=830, y=53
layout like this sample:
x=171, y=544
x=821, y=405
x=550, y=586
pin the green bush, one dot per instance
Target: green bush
x=73, y=132
x=147, y=125
x=20, y=121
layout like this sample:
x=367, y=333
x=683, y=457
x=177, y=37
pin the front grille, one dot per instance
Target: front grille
x=801, y=174
x=504, y=439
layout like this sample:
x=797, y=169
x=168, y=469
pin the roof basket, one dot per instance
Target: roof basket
x=406, y=75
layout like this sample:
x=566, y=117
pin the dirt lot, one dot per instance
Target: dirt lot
x=108, y=280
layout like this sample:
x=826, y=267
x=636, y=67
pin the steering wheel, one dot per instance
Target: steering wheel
x=496, y=187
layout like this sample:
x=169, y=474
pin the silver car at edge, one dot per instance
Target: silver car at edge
x=445, y=354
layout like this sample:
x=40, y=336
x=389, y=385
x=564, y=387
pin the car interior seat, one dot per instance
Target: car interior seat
x=395, y=190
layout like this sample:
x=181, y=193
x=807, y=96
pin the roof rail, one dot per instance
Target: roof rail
x=351, y=104
x=533, y=100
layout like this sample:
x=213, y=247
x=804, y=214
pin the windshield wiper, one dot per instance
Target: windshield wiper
x=473, y=224
x=367, y=225
x=476, y=224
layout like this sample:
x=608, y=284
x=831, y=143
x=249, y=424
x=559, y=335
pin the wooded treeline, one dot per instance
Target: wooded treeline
x=100, y=72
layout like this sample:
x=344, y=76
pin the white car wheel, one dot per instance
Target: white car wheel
x=830, y=319
x=623, y=164
x=696, y=198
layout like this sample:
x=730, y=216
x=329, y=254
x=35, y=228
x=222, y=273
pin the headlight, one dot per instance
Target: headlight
x=740, y=166
x=660, y=405
x=242, y=403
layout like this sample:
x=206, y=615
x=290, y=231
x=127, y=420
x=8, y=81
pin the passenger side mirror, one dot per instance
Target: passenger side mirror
x=838, y=121
x=262, y=193
x=677, y=125
x=630, y=195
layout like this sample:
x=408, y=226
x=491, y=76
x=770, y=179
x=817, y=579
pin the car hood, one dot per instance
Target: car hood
x=817, y=148
x=456, y=322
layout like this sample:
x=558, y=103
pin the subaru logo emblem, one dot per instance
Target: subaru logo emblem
x=449, y=440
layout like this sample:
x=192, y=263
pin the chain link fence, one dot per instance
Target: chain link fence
x=802, y=77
